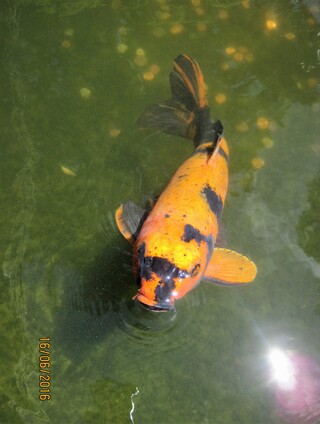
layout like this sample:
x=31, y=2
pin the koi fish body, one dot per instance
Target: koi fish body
x=175, y=244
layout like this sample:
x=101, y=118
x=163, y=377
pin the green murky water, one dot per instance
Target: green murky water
x=75, y=76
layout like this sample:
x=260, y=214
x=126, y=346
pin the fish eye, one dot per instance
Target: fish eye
x=195, y=270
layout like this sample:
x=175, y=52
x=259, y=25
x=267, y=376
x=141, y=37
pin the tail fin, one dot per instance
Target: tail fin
x=187, y=83
x=187, y=113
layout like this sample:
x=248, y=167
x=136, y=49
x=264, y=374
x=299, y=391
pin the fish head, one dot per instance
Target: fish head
x=162, y=280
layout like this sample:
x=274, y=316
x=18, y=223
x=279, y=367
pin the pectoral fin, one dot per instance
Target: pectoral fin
x=129, y=218
x=229, y=268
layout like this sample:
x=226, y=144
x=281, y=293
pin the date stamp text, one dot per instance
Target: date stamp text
x=44, y=368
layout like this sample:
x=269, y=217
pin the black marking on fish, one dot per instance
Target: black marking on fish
x=167, y=272
x=141, y=251
x=195, y=270
x=204, y=128
x=213, y=200
x=163, y=292
x=223, y=154
x=162, y=267
x=167, y=215
x=140, y=256
x=192, y=233
x=210, y=244
x=203, y=150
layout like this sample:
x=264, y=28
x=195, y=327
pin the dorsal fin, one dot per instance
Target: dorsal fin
x=215, y=152
x=130, y=218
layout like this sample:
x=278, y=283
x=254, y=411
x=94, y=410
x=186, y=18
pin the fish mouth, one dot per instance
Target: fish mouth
x=152, y=305
x=157, y=308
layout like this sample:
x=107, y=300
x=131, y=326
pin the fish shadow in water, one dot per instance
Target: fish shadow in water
x=92, y=301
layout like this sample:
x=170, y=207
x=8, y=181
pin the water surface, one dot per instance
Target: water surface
x=75, y=77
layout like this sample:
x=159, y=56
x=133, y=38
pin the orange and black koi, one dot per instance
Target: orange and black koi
x=175, y=244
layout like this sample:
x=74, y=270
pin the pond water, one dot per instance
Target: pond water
x=76, y=74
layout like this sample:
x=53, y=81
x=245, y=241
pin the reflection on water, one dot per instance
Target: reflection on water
x=296, y=378
x=76, y=76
